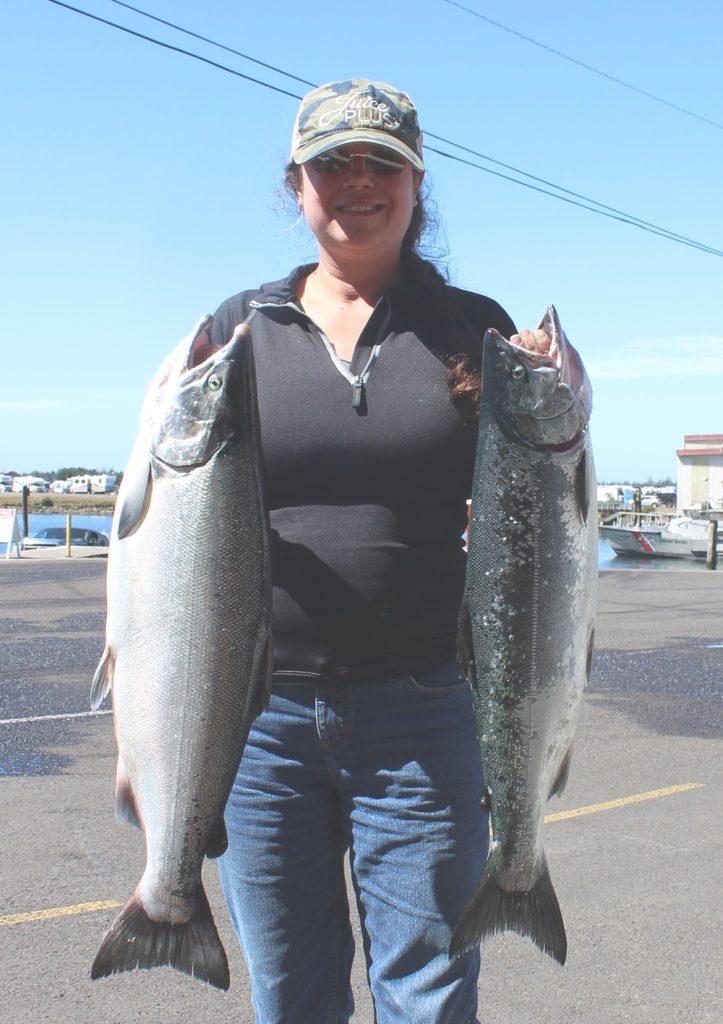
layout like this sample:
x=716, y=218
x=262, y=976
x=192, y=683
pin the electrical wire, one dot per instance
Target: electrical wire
x=176, y=49
x=579, y=200
x=205, y=39
x=624, y=218
x=582, y=64
x=627, y=217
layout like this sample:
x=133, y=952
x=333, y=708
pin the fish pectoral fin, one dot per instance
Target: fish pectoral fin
x=492, y=909
x=126, y=808
x=135, y=498
x=264, y=675
x=465, y=647
x=560, y=782
x=134, y=941
x=588, y=661
x=582, y=485
x=103, y=679
x=217, y=840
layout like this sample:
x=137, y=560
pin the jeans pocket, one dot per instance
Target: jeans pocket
x=442, y=680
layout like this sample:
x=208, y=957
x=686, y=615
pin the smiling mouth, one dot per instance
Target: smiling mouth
x=360, y=207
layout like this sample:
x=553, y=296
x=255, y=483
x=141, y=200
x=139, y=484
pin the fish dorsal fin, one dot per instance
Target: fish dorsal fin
x=103, y=679
x=135, y=499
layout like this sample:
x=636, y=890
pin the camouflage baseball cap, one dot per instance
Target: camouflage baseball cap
x=357, y=110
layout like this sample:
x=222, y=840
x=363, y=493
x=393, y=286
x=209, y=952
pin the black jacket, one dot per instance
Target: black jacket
x=368, y=469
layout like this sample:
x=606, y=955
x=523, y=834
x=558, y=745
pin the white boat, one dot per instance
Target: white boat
x=700, y=547
x=654, y=535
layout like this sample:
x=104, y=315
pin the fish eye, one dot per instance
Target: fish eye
x=214, y=382
x=517, y=372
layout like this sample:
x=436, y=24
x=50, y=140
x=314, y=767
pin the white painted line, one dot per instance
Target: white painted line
x=53, y=718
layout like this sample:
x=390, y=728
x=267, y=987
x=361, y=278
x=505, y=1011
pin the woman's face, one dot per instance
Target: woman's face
x=357, y=211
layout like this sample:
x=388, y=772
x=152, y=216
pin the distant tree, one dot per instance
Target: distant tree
x=66, y=471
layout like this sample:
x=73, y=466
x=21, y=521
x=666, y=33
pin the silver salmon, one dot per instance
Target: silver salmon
x=187, y=653
x=527, y=618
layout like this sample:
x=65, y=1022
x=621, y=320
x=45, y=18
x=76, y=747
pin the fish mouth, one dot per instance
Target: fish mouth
x=534, y=359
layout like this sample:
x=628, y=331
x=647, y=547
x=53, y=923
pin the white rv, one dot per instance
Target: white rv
x=103, y=483
x=79, y=484
x=34, y=484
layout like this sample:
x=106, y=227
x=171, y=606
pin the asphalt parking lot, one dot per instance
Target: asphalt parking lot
x=634, y=845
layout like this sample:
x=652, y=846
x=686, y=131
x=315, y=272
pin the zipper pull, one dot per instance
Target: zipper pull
x=357, y=390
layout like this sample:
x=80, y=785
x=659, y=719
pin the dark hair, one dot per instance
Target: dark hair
x=419, y=264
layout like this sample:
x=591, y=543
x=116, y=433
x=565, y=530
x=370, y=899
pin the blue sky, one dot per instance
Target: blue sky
x=139, y=190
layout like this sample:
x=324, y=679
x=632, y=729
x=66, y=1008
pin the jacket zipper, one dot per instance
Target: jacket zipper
x=358, y=381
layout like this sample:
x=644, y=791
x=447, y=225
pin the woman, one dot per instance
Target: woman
x=366, y=363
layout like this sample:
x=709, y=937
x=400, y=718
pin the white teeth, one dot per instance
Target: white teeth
x=360, y=209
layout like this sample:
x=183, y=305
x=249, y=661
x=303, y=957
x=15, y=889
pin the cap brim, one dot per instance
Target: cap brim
x=302, y=154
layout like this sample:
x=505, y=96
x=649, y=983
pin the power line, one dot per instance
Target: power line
x=582, y=64
x=624, y=218
x=597, y=207
x=627, y=218
x=205, y=39
x=176, y=49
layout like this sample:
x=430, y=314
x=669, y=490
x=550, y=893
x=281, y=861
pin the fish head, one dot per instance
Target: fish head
x=540, y=400
x=197, y=403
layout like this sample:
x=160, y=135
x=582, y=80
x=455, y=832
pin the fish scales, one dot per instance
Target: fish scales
x=526, y=626
x=187, y=643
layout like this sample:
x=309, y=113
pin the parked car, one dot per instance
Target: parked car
x=54, y=536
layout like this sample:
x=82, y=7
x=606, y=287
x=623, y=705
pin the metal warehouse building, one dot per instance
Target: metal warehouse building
x=700, y=471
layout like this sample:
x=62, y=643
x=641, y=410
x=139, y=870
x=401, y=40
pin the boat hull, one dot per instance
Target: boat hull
x=640, y=536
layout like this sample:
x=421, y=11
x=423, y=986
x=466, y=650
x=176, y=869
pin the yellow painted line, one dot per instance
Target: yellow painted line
x=88, y=908
x=623, y=801
x=52, y=912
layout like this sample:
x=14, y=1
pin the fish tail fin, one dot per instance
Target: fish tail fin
x=492, y=909
x=135, y=941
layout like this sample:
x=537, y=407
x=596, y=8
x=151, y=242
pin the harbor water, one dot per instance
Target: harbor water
x=607, y=559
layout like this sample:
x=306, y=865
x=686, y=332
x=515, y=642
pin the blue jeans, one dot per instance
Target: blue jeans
x=391, y=772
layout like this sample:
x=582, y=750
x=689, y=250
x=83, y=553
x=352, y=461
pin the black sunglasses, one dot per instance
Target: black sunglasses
x=379, y=161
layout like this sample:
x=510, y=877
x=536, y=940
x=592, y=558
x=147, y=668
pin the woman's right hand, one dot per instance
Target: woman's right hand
x=533, y=340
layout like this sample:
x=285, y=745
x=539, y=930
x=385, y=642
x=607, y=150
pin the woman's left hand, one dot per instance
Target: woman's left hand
x=536, y=341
